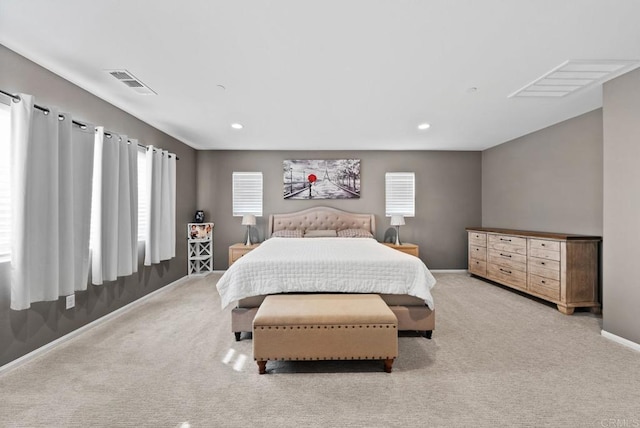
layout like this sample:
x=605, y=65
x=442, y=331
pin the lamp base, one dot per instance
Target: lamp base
x=398, y=236
x=248, y=236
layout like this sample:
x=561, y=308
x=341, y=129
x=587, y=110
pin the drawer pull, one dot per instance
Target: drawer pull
x=505, y=271
x=543, y=281
x=543, y=245
x=505, y=255
x=542, y=263
x=508, y=240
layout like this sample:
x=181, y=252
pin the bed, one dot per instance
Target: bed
x=322, y=264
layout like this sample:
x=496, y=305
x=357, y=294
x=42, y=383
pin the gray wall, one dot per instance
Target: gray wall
x=447, y=196
x=550, y=180
x=621, y=287
x=24, y=331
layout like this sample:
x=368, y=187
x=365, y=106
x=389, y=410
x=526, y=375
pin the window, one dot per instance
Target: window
x=247, y=193
x=5, y=177
x=400, y=193
x=143, y=203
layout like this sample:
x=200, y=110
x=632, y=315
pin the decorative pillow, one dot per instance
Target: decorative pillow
x=287, y=234
x=354, y=233
x=329, y=233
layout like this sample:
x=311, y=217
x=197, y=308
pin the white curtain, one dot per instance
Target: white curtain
x=50, y=171
x=76, y=175
x=160, y=237
x=115, y=209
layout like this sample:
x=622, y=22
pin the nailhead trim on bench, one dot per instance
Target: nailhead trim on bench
x=297, y=327
x=320, y=358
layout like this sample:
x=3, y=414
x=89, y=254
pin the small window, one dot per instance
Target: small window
x=247, y=193
x=143, y=203
x=400, y=193
x=5, y=180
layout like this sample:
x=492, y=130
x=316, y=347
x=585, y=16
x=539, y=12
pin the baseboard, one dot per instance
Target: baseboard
x=448, y=270
x=59, y=341
x=621, y=340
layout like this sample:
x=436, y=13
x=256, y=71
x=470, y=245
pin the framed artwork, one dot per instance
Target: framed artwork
x=199, y=231
x=321, y=179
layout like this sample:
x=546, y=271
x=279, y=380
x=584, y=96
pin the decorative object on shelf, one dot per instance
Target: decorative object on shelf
x=199, y=217
x=200, y=248
x=390, y=235
x=248, y=220
x=321, y=179
x=199, y=230
x=397, y=221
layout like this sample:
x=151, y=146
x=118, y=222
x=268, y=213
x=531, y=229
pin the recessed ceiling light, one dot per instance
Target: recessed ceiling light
x=237, y=126
x=423, y=126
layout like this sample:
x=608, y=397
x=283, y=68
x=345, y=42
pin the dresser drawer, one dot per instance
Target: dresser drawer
x=544, y=254
x=543, y=244
x=478, y=253
x=511, y=244
x=508, y=276
x=508, y=260
x=544, y=286
x=545, y=268
x=478, y=267
x=478, y=239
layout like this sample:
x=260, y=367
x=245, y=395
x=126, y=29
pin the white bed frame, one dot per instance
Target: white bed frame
x=412, y=313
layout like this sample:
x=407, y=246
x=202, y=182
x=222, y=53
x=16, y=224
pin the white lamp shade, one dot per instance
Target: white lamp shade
x=248, y=220
x=397, y=220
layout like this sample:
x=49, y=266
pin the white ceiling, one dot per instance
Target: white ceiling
x=324, y=75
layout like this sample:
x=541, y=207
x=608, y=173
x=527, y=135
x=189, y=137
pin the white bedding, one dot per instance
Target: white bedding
x=345, y=265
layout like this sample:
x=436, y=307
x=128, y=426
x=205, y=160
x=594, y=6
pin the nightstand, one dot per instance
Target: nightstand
x=411, y=249
x=238, y=250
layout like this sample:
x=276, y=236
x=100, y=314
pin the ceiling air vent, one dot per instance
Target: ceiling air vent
x=573, y=75
x=131, y=81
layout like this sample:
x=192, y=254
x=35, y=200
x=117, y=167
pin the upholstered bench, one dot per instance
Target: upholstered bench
x=324, y=327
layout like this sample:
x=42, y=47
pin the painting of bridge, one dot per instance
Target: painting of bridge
x=321, y=179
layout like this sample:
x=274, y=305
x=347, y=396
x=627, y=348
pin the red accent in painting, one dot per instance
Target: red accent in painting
x=312, y=178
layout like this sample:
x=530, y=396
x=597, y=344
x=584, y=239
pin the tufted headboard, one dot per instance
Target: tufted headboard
x=321, y=218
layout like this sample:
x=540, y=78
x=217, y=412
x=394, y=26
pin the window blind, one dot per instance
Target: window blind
x=247, y=193
x=5, y=177
x=400, y=193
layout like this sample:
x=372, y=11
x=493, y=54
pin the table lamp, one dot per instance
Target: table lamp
x=248, y=220
x=397, y=221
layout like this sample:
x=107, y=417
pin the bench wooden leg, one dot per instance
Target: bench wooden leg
x=387, y=365
x=237, y=333
x=262, y=367
x=428, y=334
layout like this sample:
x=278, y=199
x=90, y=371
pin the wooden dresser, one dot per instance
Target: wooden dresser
x=560, y=268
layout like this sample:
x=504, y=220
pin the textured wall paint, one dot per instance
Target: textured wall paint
x=621, y=287
x=447, y=196
x=24, y=331
x=550, y=180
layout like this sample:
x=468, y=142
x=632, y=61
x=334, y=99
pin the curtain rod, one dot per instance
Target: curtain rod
x=16, y=98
